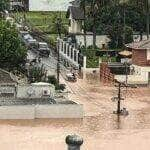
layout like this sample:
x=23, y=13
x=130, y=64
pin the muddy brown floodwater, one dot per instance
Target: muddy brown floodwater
x=100, y=128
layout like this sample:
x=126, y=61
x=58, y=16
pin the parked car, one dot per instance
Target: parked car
x=43, y=49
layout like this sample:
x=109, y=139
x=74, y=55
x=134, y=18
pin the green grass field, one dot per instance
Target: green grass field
x=45, y=21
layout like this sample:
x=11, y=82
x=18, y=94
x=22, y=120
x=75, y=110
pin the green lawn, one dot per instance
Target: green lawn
x=45, y=21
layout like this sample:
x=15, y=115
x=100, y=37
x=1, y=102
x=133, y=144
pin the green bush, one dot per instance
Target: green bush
x=52, y=80
x=37, y=74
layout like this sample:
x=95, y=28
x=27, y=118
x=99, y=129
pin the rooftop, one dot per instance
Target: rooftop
x=144, y=44
x=75, y=12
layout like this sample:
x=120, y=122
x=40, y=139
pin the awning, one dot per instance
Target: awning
x=125, y=53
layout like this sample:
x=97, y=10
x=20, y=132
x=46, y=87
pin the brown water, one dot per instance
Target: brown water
x=100, y=128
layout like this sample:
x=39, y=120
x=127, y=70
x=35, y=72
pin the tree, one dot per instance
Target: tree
x=12, y=52
x=4, y=5
x=91, y=10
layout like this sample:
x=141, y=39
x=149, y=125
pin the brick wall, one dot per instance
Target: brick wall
x=139, y=57
x=105, y=75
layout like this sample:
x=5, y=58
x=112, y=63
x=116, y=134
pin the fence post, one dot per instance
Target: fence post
x=74, y=142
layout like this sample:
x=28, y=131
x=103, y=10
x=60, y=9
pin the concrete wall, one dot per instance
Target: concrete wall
x=41, y=111
x=59, y=111
x=100, y=39
x=132, y=79
x=17, y=112
x=32, y=91
x=140, y=75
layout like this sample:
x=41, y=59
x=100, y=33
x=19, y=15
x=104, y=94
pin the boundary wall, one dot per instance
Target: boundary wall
x=41, y=111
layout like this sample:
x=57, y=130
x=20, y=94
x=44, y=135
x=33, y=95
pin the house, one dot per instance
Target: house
x=19, y=5
x=75, y=3
x=76, y=18
x=76, y=22
x=140, y=68
x=141, y=59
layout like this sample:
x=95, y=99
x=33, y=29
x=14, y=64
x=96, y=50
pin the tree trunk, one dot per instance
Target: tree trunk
x=94, y=33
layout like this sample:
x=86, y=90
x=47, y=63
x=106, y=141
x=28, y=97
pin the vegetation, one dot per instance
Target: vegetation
x=45, y=21
x=102, y=18
x=4, y=5
x=37, y=74
x=53, y=80
x=12, y=52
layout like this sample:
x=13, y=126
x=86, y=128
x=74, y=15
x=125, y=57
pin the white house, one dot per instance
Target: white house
x=76, y=18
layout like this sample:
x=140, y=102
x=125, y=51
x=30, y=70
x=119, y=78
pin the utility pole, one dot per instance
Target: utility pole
x=58, y=25
x=120, y=111
x=119, y=98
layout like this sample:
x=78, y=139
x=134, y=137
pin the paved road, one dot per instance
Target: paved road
x=49, y=63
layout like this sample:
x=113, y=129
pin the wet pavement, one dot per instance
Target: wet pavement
x=100, y=128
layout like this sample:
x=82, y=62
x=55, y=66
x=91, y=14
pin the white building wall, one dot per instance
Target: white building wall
x=48, y=5
x=140, y=76
x=75, y=26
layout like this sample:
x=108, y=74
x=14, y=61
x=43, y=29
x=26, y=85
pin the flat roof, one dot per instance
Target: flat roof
x=26, y=101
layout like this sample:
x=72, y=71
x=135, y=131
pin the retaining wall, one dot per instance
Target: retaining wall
x=41, y=111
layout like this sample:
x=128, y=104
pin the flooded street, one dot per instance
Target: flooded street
x=100, y=128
